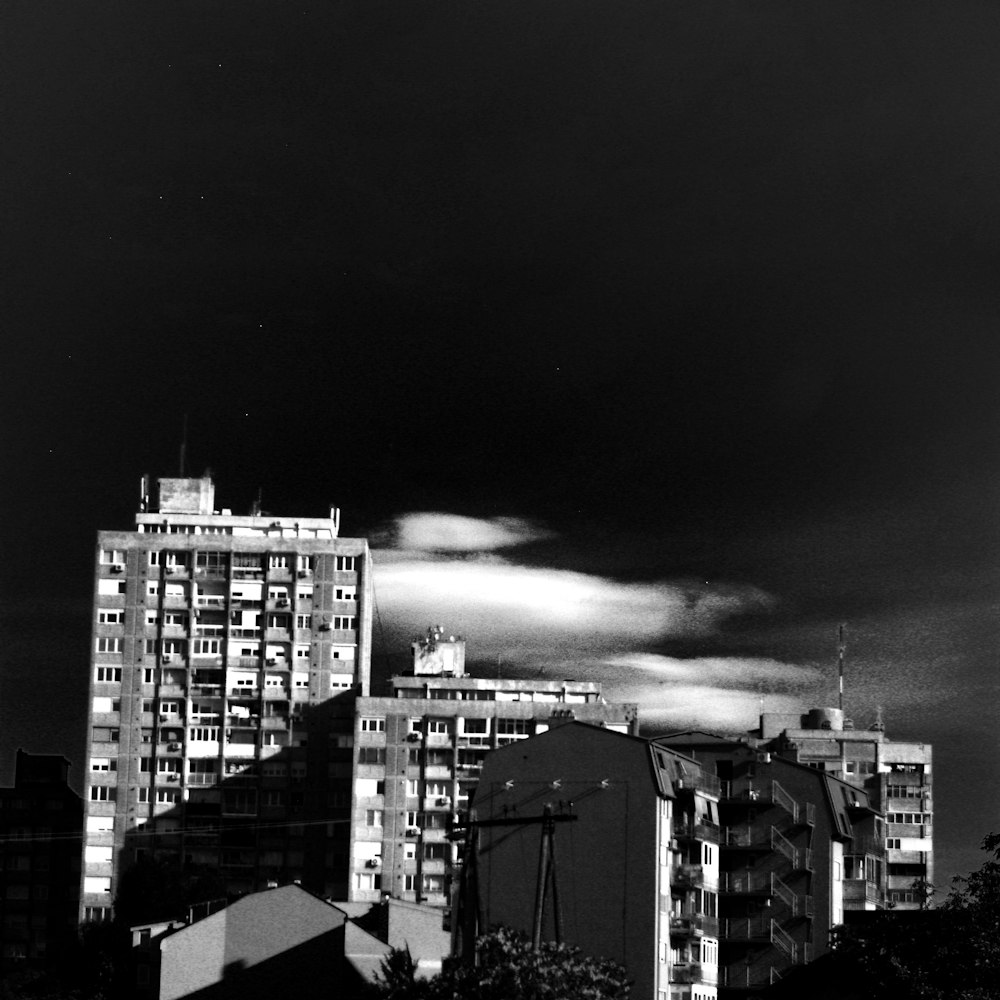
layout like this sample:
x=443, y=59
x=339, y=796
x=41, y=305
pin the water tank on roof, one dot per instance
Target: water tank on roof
x=825, y=718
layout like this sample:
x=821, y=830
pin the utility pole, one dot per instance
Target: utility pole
x=469, y=918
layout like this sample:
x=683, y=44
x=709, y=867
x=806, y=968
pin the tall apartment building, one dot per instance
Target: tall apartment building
x=418, y=753
x=706, y=867
x=227, y=654
x=40, y=820
x=897, y=778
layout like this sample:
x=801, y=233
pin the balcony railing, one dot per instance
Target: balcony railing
x=685, y=876
x=702, y=830
x=748, y=883
x=693, y=925
x=686, y=972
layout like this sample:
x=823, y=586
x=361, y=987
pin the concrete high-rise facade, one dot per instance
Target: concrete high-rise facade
x=227, y=655
x=418, y=753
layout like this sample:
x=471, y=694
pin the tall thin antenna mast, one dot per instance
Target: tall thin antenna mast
x=184, y=444
x=841, y=649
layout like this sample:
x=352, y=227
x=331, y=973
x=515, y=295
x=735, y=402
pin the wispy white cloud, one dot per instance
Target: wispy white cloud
x=523, y=610
x=430, y=531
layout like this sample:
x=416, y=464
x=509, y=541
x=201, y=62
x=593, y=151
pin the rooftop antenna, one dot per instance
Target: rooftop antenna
x=184, y=444
x=841, y=649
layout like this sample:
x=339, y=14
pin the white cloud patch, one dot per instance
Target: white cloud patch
x=437, y=532
x=522, y=611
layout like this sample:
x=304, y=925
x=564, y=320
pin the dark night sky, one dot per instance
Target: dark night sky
x=704, y=295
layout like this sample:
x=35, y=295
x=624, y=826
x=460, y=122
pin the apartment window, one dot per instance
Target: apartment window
x=344, y=564
x=435, y=852
x=103, y=764
x=111, y=587
x=302, y=652
x=100, y=734
x=102, y=793
x=204, y=734
x=109, y=644
x=153, y=588
x=304, y=593
x=440, y=727
x=108, y=675
x=277, y=594
x=112, y=557
x=409, y=883
x=412, y=787
x=110, y=617
x=149, y=677
x=903, y=791
x=145, y=765
x=212, y=561
x=167, y=796
x=343, y=622
x=371, y=755
x=278, y=621
x=144, y=795
x=106, y=705
x=477, y=726
x=373, y=725
x=175, y=619
x=303, y=621
x=367, y=881
x=272, y=797
x=305, y=564
x=300, y=680
x=345, y=594
x=513, y=727
x=169, y=708
x=373, y=817
x=413, y=818
x=433, y=883
x=893, y=843
x=206, y=647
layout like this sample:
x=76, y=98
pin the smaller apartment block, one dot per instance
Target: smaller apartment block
x=898, y=780
x=418, y=755
x=706, y=867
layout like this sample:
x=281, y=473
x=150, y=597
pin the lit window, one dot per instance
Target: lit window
x=345, y=594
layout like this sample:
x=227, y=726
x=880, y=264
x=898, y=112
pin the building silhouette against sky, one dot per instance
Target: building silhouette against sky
x=227, y=654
